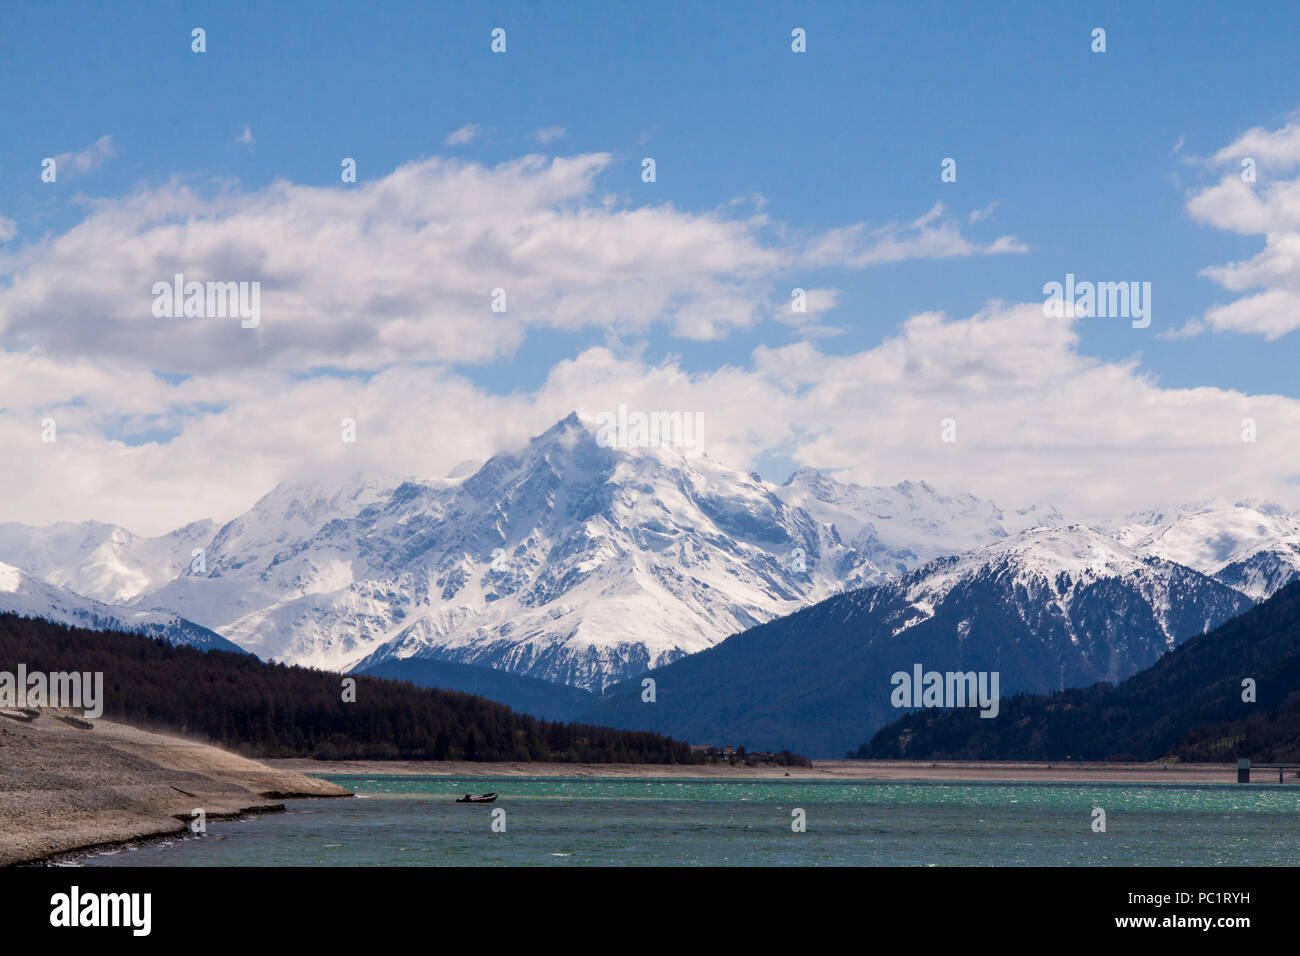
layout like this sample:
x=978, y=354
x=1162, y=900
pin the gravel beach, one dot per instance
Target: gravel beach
x=68, y=784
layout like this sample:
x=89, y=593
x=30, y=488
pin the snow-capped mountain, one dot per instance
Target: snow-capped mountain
x=1045, y=609
x=901, y=527
x=27, y=596
x=101, y=561
x=1115, y=608
x=585, y=564
x=1251, y=546
x=570, y=561
x=286, y=580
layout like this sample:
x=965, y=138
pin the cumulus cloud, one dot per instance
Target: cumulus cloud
x=385, y=289
x=375, y=297
x=1037, y=421
x=1269, y=206
x=1271, y=314
x=816, y=302
x=404, y=268
x=1278, y=149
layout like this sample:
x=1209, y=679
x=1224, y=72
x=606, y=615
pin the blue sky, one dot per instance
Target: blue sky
x=1088, y=160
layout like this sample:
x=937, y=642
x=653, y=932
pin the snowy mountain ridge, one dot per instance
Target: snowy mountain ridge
x=28, y=596
x=587, y=564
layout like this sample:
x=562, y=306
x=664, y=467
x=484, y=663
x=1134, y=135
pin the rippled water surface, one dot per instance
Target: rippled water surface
x=406, y=820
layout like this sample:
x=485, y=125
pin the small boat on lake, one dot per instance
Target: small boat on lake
x=485, y=798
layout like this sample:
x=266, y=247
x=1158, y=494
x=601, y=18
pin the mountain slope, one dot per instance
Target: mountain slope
x=1251, y=546
x=902, y=527
x=27, y=596
x=525, y=695
x=584, y=565
x=280, y=580
x=102, y=561
x=567, y=560
x=609, y=561
x=1189, y=703
x=1046, y=609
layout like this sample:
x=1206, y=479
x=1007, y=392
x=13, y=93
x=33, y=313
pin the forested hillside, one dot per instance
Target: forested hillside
x=1189, y=704
x=271, y=710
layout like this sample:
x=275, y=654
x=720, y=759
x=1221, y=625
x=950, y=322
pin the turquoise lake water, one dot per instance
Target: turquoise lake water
x=414, y=821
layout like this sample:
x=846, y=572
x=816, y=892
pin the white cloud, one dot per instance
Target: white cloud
x=1271, y=314
x=550, y=134
x=1279, y=148
x=817, y=302
x=1268, y=207
x=1189, y=329
x=246, y=137
x=388, y=285
x=8, y=229
x=932, y=236
x=1036, y=422
x=86, y=160
x=402, y=269
x=466, y=134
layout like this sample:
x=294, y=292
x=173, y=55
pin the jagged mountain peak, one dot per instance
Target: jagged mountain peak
x=28, y=596
x=583, y=561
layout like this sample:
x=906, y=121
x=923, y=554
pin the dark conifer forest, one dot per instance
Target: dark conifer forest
x=1189, y=705
x=272, y=710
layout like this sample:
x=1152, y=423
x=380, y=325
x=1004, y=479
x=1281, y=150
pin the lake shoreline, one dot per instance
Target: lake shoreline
x=79, y=854
x=414, y=820
x=67, y=792
x=821, y=770
x=69, y=786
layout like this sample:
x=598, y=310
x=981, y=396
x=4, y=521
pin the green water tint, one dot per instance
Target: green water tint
x=1221, y=798
x=404, y=820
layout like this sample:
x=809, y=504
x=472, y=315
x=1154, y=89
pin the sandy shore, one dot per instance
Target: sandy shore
x=967, y=771
x=72, y=785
